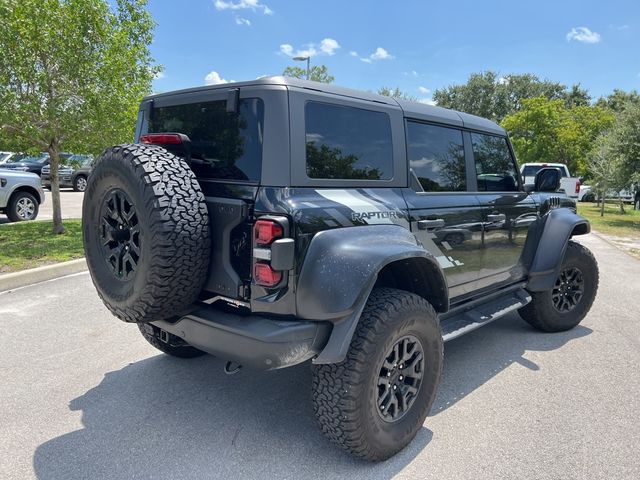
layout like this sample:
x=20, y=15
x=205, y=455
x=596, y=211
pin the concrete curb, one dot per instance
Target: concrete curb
x=9, y=281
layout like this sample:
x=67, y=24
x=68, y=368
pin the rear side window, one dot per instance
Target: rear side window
x=347, y=143
x=436, y=155
x=495, y=168
x=224, y=146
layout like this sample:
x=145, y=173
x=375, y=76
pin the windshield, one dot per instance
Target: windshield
x=531, y=170
x=76, y=161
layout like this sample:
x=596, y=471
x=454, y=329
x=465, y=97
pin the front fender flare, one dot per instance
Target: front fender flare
x=559, y=226
x=339, y=271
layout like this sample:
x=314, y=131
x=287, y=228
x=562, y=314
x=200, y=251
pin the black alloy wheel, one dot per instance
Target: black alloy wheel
x=120, y=234
x=400, y=378
x=568, y=290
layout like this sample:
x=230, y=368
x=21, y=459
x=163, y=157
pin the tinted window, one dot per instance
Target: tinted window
x=346, y=142
x=494, y=166
x=224, y=145
x=436, y=155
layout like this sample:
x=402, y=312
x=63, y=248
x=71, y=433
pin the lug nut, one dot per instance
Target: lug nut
x=395, y=388
x=401, y=377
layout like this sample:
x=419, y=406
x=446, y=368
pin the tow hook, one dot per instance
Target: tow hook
x=231, y=368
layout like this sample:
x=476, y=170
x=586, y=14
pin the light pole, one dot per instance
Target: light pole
x=302, y=59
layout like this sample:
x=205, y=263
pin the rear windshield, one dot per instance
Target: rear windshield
x=224, y=146
x=531, y=170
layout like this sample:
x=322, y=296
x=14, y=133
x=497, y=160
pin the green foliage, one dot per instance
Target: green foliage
x=546, y=130
x=624, y=141
x=619, y=100
x=493, y=97
x=396, y=93
x=318, y=73
x=72, y=73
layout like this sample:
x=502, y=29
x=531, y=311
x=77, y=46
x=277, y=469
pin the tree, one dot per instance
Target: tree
x=396, y=93
x=72, y=73
x=318, y=73
x=547, y=131
x=490, y=96
x=605, y=169
x=619, y=100
x=577, y=97
x=625, y=141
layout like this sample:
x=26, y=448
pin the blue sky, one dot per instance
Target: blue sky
x=416, y=45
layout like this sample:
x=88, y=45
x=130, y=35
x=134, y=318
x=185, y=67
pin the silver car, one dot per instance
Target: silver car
x=20, y=195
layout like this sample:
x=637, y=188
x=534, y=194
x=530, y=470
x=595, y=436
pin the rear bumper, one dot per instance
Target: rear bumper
x=254, y=341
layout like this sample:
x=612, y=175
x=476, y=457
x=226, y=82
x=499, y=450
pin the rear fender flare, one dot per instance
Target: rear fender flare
x=341, y=268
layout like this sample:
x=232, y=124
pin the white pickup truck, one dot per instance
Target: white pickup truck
x=571, y=185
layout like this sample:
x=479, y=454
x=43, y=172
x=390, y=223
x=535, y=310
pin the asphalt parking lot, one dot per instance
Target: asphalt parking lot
x=84, y=396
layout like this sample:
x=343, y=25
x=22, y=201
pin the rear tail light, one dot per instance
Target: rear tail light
x=266, y=231
x=578, y=186
x=272, y=252
x=161, y=138
x=266, y=276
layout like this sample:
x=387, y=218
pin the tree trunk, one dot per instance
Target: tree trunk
x=621, y=206
x=54, y=163
x=602, y=202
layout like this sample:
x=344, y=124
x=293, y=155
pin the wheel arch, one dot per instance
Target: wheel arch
x=558, y=227
x=28, y=189
x=416, y=275
x=342, y=267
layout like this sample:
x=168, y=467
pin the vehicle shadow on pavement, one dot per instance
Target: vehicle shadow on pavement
x=164, y=417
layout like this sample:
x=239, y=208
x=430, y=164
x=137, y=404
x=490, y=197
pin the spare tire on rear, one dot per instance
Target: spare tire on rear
x=146, y=232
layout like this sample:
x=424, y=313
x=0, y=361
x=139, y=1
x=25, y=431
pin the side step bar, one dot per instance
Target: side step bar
x=475, y=317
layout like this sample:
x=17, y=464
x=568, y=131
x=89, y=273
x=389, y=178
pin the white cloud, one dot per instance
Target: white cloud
x=243, y=21
x=424, y=90
x=353, y=53
x=503, y=80
x=214, y=78
x=414, y=73
x=253, y=5
x=379, y=54
x=327, y=46
x=583, y=34
x=428, y=101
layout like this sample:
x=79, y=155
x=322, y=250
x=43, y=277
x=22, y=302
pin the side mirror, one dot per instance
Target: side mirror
x=547, y=180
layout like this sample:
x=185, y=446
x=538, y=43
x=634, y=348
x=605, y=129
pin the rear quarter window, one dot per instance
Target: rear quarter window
x=347, y=143
x=224, y=146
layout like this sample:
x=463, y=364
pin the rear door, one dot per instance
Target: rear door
x=445, y=216
x=507, y=211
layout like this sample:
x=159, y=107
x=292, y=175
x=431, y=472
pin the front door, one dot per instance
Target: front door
x=444, y=215
x=507, y=211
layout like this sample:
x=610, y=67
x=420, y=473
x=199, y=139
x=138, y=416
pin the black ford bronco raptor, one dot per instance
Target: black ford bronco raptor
x=278, y=221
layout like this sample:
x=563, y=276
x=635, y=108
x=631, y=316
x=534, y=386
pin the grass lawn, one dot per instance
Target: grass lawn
x=613, y=222
x=31, y=244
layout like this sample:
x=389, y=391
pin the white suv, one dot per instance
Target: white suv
x=20, y=195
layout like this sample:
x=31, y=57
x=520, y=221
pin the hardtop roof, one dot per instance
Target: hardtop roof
x=417, y=110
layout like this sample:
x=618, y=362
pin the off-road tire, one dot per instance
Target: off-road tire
x=14, y=205
x=173, y=236
x=345, y=395
x=540, y=312
x=180, y=349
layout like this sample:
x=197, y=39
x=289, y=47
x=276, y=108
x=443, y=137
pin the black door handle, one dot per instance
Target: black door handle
x=427, y=224
x=498, y=217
